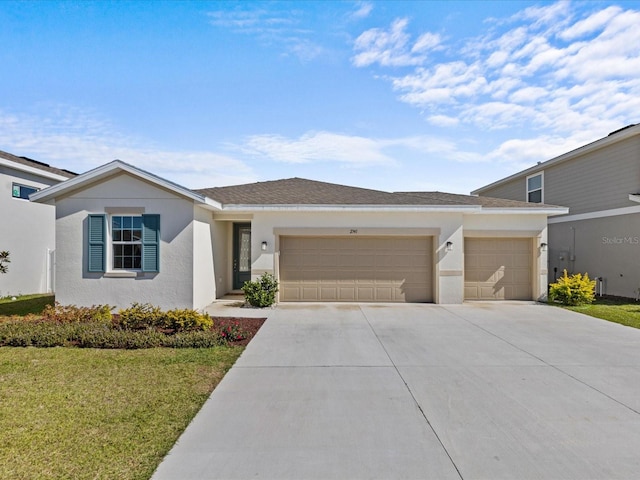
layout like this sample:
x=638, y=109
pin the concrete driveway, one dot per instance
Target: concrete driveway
x=476, y=391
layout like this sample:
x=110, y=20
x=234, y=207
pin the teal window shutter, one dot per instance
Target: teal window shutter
x=97, y=243
x=150, y=243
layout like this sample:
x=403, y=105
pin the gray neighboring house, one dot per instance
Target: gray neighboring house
x=28, y=229
x=600, y=183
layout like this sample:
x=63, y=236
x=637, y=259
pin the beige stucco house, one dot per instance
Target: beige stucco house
x=600, y=183
x=28, y=229
x=125, y=235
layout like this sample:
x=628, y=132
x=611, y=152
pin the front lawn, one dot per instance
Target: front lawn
x=25, y=304
x=625, y=312
x=99, y=414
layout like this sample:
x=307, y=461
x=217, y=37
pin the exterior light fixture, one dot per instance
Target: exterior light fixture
x=543, y=247
x=264, y=246
x=449, y=246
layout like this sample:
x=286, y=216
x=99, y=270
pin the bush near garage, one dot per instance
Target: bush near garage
x=261, y=292
x=573, y=290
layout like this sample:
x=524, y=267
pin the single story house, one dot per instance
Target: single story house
x=125, y=235
x=28, y=229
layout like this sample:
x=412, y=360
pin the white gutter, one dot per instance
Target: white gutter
x=634, y=197
x=353, y=208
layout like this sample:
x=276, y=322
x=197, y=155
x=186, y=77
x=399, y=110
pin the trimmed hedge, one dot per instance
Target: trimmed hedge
x=18, y=333
x=140, y=326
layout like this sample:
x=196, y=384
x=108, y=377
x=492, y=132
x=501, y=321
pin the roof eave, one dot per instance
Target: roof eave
x=549, y=211
x=35, y=171
x=105, y=171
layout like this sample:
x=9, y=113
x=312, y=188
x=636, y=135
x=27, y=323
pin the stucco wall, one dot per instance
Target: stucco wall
x=172, y=287
x=204, y=284
x=449, y=266
x=602, y=247
x=28, y=233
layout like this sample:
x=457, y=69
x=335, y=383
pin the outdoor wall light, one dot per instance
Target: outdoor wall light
x=264, y=246
x=543, y=247
x=449, y=246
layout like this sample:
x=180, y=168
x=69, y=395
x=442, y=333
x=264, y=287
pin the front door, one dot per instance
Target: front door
x=241, y=254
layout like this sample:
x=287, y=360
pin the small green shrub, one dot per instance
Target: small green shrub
x=262, y=292
x=140, y=316
x=73, y=314
x=185, y=320
x=574, y=290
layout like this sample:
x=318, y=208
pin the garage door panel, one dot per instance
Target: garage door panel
x=376, y=269
x=497, y=269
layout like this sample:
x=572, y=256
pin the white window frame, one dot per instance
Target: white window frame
x=110, y=260
x=526, y=186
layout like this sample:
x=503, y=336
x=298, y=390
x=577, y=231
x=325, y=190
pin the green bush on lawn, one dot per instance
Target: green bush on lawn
x=573, y=290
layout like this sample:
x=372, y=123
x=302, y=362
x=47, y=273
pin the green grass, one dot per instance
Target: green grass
x=25, y=304
x=625, y=312
x=99, y=414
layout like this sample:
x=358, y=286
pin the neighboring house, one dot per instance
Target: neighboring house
x=600, y=183
x=125, y=235
x=28, y=229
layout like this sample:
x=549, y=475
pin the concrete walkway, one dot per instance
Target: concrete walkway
x=476, y=391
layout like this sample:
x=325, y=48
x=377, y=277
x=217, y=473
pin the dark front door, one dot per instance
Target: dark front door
x=241, y=254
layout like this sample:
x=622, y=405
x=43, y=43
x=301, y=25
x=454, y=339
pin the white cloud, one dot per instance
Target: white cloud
x=363, y=11
x=565, y=69
x=319, y=147
x=393, y=47
x=79, y=141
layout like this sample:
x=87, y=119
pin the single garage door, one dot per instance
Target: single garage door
x=356, y=269
x=497, y=268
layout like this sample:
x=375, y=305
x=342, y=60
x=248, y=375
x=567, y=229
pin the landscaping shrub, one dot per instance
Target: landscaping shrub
x=185, y=320
x=140, y=316
x=574, y=290
x=73, y=314
x=262, y=292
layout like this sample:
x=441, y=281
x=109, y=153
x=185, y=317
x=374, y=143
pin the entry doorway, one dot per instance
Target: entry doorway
x=241, y=254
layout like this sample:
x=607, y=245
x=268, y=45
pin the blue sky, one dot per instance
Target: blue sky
x=394, y=96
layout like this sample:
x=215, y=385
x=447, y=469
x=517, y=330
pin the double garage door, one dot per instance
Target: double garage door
x=356, y=269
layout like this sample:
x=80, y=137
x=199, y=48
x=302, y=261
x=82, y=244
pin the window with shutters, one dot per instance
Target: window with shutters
x=124, y=243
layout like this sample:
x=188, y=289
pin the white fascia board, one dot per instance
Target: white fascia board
x=35, y=171
x=590, y=147
x=525, y=211
x=211, y=204
x=599, y=214
x=108, y=170
x=634, y=197
x=352, y=208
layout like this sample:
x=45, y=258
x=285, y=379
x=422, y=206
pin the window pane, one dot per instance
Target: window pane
x=136, y=235
x=137, y=222
x=126, y=235
x=128, y=262
x=117, y=235
x=117, y=250
x=534, y=183
x=117, y=262
x=126, y=222
x=116, y=222
x=535, y=197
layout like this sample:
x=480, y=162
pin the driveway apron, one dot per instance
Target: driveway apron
x=475, y=391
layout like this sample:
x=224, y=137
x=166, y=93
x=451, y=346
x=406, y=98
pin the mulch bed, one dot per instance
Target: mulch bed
x=249, y=326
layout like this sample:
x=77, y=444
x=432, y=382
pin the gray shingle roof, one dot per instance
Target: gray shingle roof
x=300, y=191
x=35, y=164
